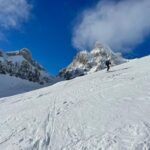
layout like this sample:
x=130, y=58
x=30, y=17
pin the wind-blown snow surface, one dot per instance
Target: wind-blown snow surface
x=100, y=111
x=10, y=85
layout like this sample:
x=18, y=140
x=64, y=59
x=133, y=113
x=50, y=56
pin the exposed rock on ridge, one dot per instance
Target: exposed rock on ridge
x=21, y=64
x=87, y=62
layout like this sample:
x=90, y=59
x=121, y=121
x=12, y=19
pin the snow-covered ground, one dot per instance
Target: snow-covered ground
x=10, y=85
x=100, y=111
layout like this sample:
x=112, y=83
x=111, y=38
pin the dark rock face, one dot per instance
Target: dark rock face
x=88, y=62
x=20, y=64
x=26, y=54
x=1, y=54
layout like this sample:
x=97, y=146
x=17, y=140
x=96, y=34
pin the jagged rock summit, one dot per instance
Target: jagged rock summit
x=87, y=62
x=21, y=64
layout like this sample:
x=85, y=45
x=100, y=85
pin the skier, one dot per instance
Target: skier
x=108, y=63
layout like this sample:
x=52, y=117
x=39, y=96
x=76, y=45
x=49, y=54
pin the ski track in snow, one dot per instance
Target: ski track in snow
x=100, y=111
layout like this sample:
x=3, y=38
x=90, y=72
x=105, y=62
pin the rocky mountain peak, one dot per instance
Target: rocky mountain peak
x=21, y=64
x=26, y=54
x=87, y=62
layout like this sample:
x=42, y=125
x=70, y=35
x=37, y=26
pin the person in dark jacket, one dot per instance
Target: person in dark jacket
x=108, y=63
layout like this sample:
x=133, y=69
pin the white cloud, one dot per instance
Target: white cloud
x=13, y=13
x=121, y=25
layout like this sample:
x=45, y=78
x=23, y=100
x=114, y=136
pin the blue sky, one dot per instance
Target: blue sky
x=47, y=30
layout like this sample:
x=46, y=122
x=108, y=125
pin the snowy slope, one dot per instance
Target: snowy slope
x=100, y=111
x=11, y=85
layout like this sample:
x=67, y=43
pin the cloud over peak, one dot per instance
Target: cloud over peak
x=121, y=25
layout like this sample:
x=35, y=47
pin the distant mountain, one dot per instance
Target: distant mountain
x=21, y=64
x=87, y=62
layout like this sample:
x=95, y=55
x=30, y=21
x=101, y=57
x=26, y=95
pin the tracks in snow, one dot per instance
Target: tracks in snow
x=42, y=139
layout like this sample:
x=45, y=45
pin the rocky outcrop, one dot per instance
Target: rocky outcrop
x=87, y=62
x=21, y=64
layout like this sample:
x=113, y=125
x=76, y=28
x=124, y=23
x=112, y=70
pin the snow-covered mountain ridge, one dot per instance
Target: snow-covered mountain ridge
x=21, y=64
x=88, y=62
x=100, y=111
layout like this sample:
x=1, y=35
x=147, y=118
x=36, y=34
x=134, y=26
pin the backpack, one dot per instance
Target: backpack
x=107, y=62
